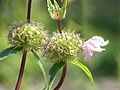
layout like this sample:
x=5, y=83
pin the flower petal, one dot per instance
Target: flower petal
x=88, y=54
x=93, y=45
x=99, y=40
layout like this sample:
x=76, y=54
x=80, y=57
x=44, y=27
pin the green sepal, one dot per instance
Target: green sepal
x=55, y=11
x=51, y=8
x=63, y=9
x=10, y=51
x=84, y=69
x=52, y=72
x=57, y=7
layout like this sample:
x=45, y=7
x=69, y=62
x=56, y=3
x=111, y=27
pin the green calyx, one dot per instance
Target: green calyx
x=57, y=12
x=29, y=36
x=64, y=46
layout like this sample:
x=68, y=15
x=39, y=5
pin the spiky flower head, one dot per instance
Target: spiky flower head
x=64, y=46
x=29, y=35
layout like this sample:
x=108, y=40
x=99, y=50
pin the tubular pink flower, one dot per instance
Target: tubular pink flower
x=93, y=45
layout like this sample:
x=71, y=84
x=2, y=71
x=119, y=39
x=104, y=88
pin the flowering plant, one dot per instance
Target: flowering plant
x=62, y=48
x=65, y=47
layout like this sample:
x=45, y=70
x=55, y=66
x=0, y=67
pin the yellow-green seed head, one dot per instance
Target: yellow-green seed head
x=29, y=35
x=64, y=46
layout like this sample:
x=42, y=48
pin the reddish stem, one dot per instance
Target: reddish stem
x=28, y=11
x=25, y=52
x=62, y=78
x=21, y=70
x=58, y=24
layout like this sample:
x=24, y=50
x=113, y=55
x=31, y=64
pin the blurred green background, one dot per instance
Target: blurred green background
x=88, y=17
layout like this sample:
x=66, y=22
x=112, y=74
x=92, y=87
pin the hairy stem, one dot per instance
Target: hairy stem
x=28, y=11
x=21, y=70
x=62, y=77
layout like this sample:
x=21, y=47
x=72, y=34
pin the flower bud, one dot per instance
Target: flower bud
x=56, y=12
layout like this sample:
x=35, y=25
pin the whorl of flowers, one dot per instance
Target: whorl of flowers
x=64, y=46
x=29, y=35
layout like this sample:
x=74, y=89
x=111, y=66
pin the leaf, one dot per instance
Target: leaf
x=43, y=71
x=10, y=51
x=85, y=69
x=38, y=56
x=52, y=72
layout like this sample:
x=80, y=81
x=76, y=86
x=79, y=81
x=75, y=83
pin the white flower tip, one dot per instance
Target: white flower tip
x=106, y=42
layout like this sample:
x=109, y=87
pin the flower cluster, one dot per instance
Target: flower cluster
x=64, y=46
x=29, y=35
x=68, y=46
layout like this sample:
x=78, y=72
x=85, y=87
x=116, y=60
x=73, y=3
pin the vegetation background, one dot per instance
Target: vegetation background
x=88, y=17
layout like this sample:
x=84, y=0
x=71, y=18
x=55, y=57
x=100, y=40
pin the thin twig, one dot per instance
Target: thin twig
x=62, y=78
x=21, y=70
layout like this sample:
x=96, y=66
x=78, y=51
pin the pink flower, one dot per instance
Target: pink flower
x=93, y=45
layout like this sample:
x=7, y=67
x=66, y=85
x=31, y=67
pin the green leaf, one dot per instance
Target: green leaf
x=52, y=72
x=43, y=71
x=38, y=56
x=85, y=69
x=10, y=51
